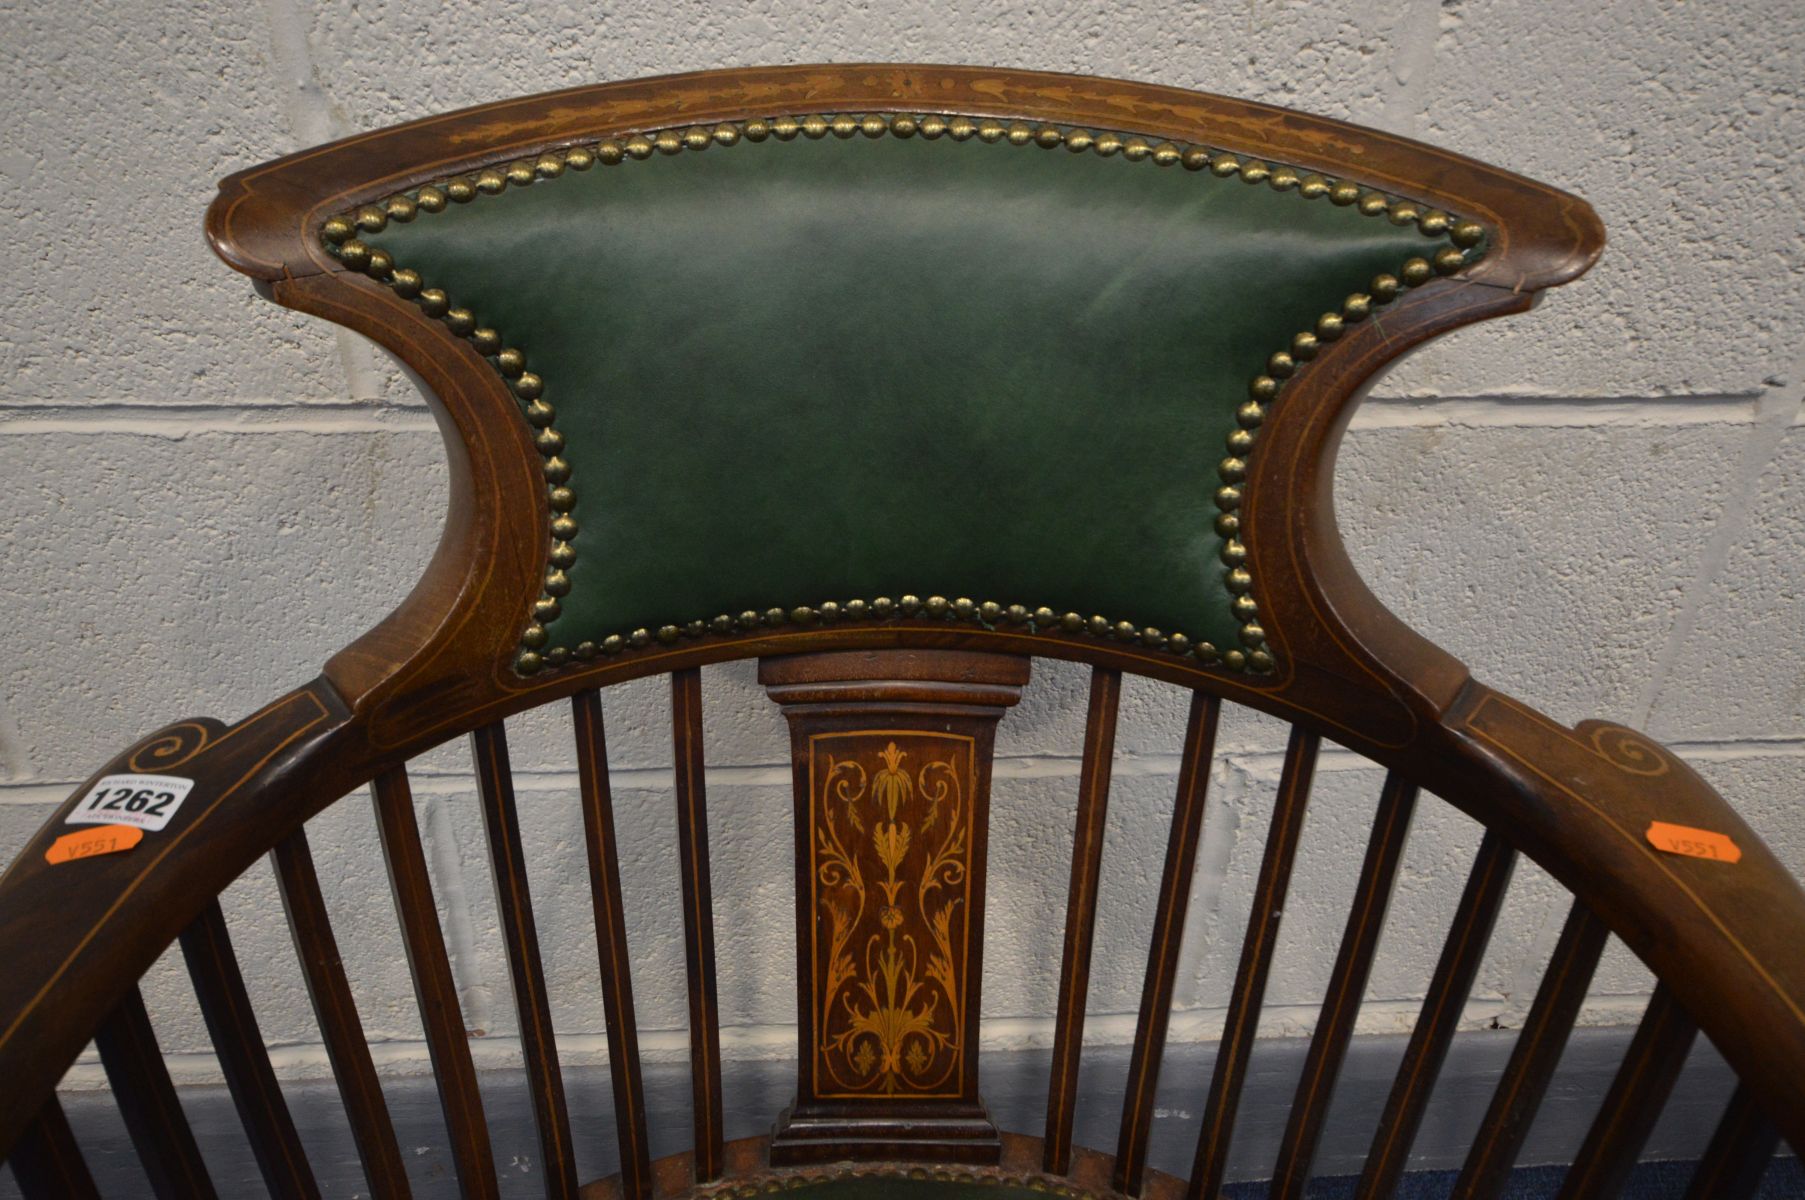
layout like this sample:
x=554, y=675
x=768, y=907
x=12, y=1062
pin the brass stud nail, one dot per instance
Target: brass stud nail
x=696, y=138
x=991, y=131
x=1312, y=187
x=1228, y=498
x=1255, y=172
x=548, y=441
x=562, y=499
x=1125, y=631
x=521, y=173
x=1404, y=213
x=1178, y=643
x=725, y=134
x=486, y=341
x=1329, y=326
x=1195, y=158
x=1232, y=470
x=460, y=321
x=608, y=154
x=529, y=663
x=555, y=470
x=961, y=128
x=857, y=610
x=372, y=219
x=535, y=636
x=695, y=628
x=557, y=583
x=562, y=555
x=1283, y=179
x=1044, y=617
x=1385, y=288
x=639, y=146
x=1281, y=366
x=1166, y=155
x=1205, y=652
x=964, y=609
x=433, y=302
x=640, y=638
x=990, y=612
x=1080, y=140
x=937, y=606
x=614, y=643
x=1017, y=614
x=932, y=126
x=1019, y=133
x=814, y=126
x=1417, y=271
x=776, y=616
x=873, y=126
x=1098, y=625
x=564, y=529
x=1263, y=387
x=1357, y=307
x=1048, y=136
x=510, y=362
x=1250, y=414
x=1152, y=637
x=1227, y=525
x=491, y=181
x=1071, y=622
x=548, y=166
x=722, y=624
x=757, y=129
x=785, y=128
x=802, y=614
x=1136, y=149
x=909, y=603
x=546, y=610
x=1234, y=553
x=1434, y=223
x=539, y=414
x=669, y=633
x=1373, y=203
x=381, y=264
x=1344, y=194
x=844, y=126
x=749, y=619
x=401, y=208
x=1467, y=233
x=882, y=607
x=1449, y=260
x=460, y=190
x=830, y=611
x=354, y=254
x=1240, y=442
x=1234, y=660
x=1223, y=165
x=668, y=141
x=1108, y=144
x=585, y=650
x=336, y=230
x=1252, y=635
x=529, y=386
x=579, y=158
x=903, y=125
x=1304, y=347
x=1260, y=662
x=1244, y=608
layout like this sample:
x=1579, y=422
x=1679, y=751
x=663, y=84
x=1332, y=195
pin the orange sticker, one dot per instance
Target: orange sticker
x=87, y=843
x=1694, y=843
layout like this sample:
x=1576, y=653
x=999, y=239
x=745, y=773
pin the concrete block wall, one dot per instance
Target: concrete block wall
x=1597, y=504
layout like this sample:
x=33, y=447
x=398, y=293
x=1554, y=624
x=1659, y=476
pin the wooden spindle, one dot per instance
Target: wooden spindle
x=514, y=904
x=349, y=1053
x=1347, y=986
x=1168, y=933
x=46, y=1161
x=1081, y=915
x=1494, y=1150
x=147, y=1100
x=1257, y=946
x=1739, y=1153
x=611, y=947
x=698, y=922
x=226, y=1006
x=446, y=1039
x=1449, y=987
x=1638, y=1093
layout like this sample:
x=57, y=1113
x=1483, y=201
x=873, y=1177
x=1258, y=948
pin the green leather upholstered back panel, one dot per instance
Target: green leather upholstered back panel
x=798, y=371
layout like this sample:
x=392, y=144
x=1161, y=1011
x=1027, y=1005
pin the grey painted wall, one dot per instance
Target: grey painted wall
x=1599, y=505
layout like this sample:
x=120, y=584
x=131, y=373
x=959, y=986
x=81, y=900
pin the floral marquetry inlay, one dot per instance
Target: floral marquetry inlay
x=891, y=823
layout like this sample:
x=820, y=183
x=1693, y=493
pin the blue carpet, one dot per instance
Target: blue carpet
x=1785, y=1180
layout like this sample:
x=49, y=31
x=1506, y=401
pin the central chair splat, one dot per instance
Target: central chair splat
x=892, y=751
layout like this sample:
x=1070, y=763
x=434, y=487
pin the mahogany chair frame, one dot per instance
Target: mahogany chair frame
x=1725, y=941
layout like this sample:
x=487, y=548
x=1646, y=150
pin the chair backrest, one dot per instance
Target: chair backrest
x=894, y=378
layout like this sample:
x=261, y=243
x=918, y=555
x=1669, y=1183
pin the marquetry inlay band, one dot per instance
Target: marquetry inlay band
x=537, y=650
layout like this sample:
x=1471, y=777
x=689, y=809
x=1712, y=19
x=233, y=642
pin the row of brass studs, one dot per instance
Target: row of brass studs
x=745, y=1189
x=340, y=233
x=989, y=614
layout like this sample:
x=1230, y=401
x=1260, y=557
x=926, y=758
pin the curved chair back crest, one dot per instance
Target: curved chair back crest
x=893, y=377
